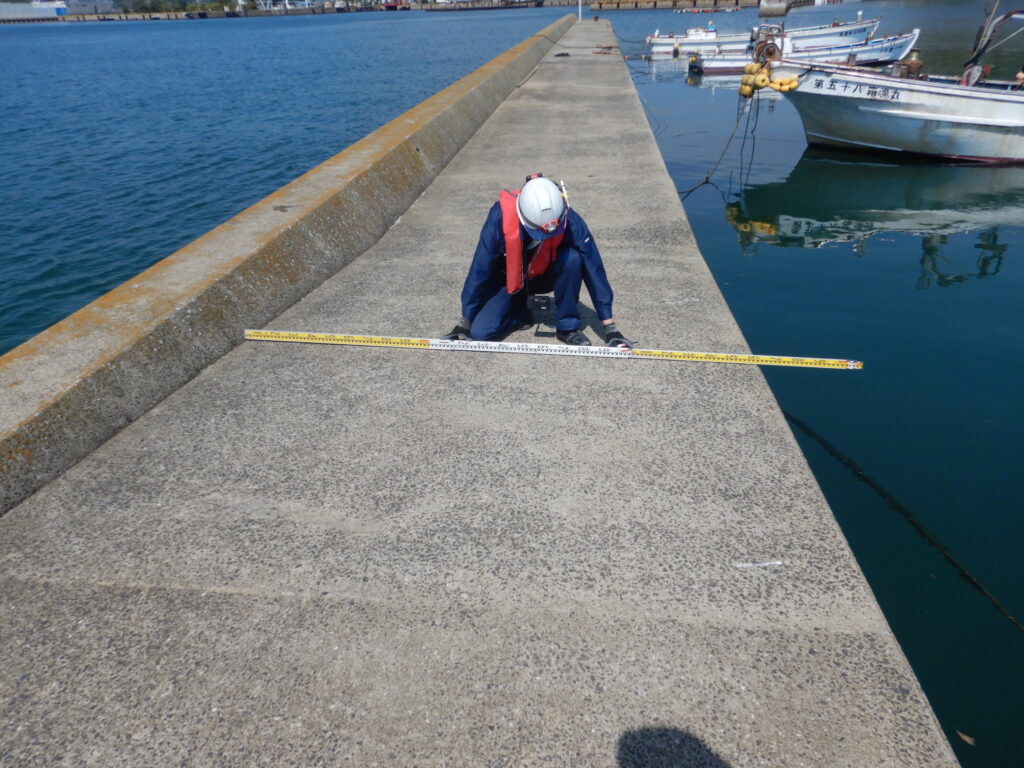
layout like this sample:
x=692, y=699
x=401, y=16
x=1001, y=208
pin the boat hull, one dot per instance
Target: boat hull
x=862, y=110
x=804, y=37
x=881, y=51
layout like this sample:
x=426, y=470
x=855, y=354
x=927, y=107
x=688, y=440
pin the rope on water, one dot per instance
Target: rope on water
x=707, y=178
x=909, y=516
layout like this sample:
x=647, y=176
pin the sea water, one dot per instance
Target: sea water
x=122, y=142
x=917, y=269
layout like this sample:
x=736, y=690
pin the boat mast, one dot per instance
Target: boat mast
x=985, y=32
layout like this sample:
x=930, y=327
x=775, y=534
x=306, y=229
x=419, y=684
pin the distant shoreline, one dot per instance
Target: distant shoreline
x=202, y=15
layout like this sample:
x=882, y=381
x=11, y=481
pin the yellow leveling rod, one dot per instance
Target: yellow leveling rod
x=548, y=349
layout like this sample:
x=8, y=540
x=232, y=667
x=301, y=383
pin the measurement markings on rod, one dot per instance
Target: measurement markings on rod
x=548, y=349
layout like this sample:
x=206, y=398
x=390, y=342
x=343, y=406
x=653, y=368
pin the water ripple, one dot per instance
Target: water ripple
x=121, y=143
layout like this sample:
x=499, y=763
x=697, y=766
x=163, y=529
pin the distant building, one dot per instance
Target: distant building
x=49, y=9
x=36, y=9
x=284, y=5
x=90, y=6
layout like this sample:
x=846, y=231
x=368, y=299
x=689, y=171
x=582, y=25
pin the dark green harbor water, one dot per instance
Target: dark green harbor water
x=121, y=142
x=918, y=270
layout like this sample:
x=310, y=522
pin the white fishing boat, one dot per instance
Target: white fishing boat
x=667, y=69
x=970, y=118
x=729, y=9
x=882, y=50
x=700, y=39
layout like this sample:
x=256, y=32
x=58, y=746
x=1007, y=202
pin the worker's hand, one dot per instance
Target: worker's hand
x=614, y=338
x=458, y=333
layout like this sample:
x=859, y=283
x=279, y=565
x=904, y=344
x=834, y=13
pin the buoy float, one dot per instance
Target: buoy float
x=756, y=76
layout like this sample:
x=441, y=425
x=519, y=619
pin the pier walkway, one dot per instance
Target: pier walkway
x=323, y=556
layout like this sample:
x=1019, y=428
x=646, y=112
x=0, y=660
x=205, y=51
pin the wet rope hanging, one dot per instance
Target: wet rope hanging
x=909, y=516
x=660, y=124
x=751, y=132
x=707, y=178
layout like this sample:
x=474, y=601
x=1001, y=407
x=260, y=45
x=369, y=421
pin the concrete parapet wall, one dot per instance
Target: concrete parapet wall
x=65, y=391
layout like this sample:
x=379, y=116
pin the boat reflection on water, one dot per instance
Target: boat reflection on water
x=836, y=198
x=665, y=69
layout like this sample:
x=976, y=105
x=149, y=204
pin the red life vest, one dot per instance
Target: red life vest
x=514, y=246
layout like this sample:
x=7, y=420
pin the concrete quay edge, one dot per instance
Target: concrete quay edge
x=69, y=388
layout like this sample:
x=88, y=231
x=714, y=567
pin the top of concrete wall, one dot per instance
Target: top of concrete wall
x=69, y=388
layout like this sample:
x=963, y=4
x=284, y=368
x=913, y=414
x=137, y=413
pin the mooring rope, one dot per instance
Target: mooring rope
x=909, y=516
x=707, y=178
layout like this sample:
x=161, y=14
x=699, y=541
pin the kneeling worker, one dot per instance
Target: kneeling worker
x=532, y=242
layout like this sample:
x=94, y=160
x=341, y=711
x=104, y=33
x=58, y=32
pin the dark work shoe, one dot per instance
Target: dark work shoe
x=526, y=322
x=574, y=338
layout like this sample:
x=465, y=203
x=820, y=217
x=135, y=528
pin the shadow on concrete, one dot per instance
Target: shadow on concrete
x=665, y=748
x=543, y=308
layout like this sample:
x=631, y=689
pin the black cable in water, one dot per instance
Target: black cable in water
x=749, y=132
x=707, y=179
x=895, y=504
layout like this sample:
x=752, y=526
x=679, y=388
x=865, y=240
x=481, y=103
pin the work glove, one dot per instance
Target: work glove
x=613, y=338
x=459, y=333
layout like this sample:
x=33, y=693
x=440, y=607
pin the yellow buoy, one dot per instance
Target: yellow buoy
x=745, y=91
x=760, y=80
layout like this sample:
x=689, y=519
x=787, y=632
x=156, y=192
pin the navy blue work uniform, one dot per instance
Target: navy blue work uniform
x=494, y=313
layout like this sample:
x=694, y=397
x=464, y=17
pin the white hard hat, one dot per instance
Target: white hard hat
x=541, y=207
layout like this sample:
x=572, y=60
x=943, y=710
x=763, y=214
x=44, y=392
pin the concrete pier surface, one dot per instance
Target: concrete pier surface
x=318, y=556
